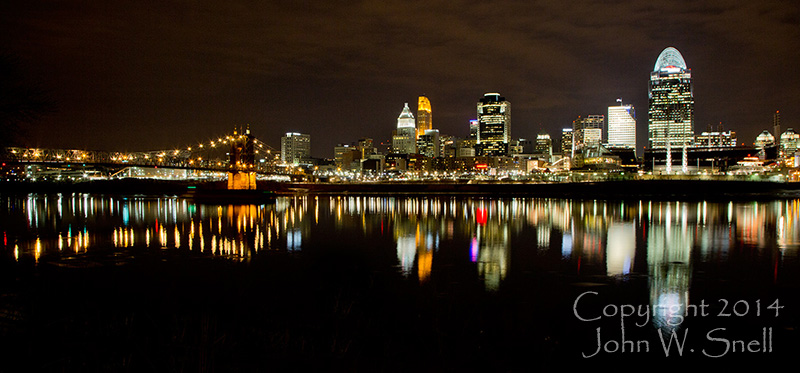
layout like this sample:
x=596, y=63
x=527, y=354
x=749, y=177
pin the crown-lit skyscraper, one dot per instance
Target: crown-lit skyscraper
x=405, y=139
x=621, y=126
x=494, y=125
x=424, y=116
x=671, y=111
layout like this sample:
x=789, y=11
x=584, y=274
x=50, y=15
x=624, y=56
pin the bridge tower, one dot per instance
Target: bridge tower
x=242, y=161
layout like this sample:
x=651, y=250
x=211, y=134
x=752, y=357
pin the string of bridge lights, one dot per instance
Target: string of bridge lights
x=188, y=154
x=226, y=140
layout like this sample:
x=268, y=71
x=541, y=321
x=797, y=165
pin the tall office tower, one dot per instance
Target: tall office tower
x=593, y=129
x=494, y=125
x=776, y=123
x=473, y=129
x=338, y=153
x=405, y=140
x=566, y=142
x=428, y=144
x=295, y=147
x=466, y=147
x=424, y=116
x=671, y=111
x=447, y=145
x=544, y=145
x=621, y=126
x=587, y=132
x=577, y=136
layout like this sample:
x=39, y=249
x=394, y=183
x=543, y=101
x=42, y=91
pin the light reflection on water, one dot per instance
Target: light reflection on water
x=74, y=224
x=658, y=239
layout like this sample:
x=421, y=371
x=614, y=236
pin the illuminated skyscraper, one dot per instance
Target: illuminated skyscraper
x=621, y=126
x=544, y=145
x=405, y=140
x=428, y=144
x=587, y=132
x=671, y=111
x=406, y=119
x=566, y=142
x=424, y=116
x=295, y=147
x=789, y=143
x=494, y=125
x=473, y=129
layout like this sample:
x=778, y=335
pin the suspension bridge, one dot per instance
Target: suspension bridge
x=231, y=152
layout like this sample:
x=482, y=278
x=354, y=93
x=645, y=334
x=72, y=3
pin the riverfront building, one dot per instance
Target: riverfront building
x=764, y=139
x=766, y=146
x=716, y=139
x=789, y=144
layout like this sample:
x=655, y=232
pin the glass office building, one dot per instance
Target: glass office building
x=671, y=111
x=494, y=125
x=621, y=126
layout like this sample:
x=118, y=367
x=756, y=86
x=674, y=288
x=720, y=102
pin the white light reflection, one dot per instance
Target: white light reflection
x=406, y=253
x=621, y=246
x=668, y=257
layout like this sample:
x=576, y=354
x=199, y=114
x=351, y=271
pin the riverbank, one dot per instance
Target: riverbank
x=620, y=189
x=656, y=189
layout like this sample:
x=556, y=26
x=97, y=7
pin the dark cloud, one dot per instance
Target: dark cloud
x=154, y=74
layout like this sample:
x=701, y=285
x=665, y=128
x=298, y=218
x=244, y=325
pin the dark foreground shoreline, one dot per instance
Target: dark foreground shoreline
x=623, y=189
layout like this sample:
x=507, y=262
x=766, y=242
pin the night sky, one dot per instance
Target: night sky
x=147, y=75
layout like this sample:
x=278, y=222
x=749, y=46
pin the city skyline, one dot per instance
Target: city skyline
x=155, y=76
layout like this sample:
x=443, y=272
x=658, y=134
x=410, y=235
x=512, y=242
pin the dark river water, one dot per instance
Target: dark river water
x=103, y=282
